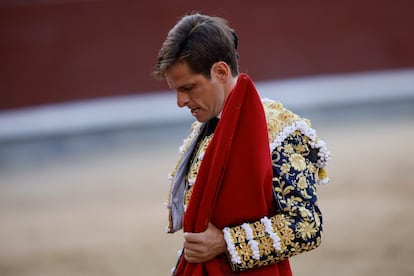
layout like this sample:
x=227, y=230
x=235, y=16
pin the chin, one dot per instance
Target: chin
x=202, y=119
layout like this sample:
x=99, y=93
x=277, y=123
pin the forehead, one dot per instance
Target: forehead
x=180, y=74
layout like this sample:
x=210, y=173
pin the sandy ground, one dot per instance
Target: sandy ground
x=102, y=213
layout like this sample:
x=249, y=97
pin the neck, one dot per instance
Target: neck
x=229, y=85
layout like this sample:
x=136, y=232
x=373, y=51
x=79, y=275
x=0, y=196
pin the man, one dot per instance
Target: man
x=244, y=188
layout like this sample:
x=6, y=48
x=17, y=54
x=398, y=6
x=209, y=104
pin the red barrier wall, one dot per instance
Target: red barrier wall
x=56, y=51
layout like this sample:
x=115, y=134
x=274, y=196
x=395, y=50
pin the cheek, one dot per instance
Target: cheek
x=213, y=98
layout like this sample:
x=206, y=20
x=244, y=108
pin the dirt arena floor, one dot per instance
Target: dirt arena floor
x=101, y=212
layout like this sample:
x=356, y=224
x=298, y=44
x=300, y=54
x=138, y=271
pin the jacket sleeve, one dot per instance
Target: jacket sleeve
x=297, y=226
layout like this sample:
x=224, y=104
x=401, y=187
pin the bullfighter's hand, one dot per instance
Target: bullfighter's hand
x=204, y=246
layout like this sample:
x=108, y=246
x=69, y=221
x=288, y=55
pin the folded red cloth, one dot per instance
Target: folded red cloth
x=234, y=182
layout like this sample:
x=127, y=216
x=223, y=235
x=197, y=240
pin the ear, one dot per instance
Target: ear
x=220, y=70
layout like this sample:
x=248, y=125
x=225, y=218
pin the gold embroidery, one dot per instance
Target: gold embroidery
x=195, y=166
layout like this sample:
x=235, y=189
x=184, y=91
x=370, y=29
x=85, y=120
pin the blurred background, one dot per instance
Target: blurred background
x=88, y=137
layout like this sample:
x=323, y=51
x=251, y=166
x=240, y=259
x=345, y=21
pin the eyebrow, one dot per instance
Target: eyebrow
x=186, y=85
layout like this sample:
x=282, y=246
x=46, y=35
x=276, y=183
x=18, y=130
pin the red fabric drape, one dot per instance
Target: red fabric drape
x=234, y=182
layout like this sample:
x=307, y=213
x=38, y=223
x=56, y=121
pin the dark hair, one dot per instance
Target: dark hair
x=201, y=41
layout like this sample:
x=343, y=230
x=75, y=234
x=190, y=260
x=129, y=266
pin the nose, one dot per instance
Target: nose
x=182, y=99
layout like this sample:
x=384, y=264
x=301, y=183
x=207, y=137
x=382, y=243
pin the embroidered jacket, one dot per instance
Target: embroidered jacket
x=299, y=159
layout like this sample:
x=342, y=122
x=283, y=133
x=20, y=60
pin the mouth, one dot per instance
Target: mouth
x=194, y=111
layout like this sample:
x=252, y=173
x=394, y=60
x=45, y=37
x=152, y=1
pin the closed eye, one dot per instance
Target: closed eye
x=187, y=88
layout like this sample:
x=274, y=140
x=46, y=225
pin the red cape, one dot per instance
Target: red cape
x=234, y=182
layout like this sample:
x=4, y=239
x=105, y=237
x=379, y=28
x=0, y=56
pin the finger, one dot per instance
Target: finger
x=192, y=256
x=193, y=237
x=194, y=247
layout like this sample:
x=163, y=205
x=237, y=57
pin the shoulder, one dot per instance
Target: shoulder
x=278, y=118
x=286, y=127
x=194, y=131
